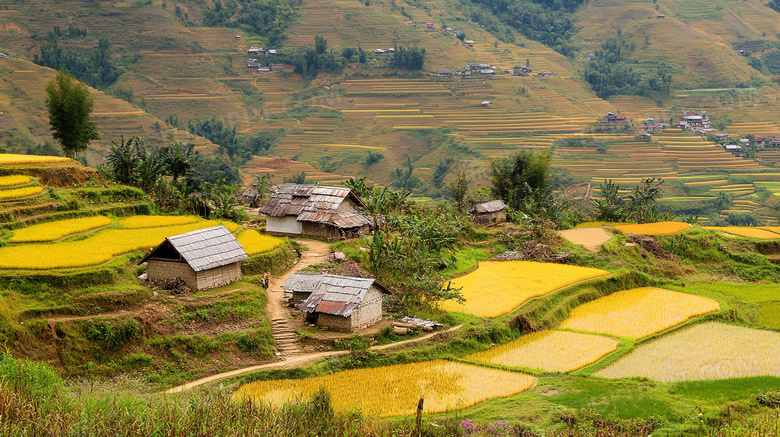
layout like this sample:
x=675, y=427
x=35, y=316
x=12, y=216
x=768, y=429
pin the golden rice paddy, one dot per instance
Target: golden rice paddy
x=18, y=193
x=97, y=249
x=704, y=351
x=746, y=231
x=253, y=242
x=638, y=312
x=660, y=228
x=551, y=351
x=395, y=390
x=14, y=180
x=498, y=287
x=10, y=158
x=153, y=221
x=55, y=230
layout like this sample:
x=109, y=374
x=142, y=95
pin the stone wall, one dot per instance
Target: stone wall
x=369, y=312
x=167, y=269
x=337, y=323
x=218, y=276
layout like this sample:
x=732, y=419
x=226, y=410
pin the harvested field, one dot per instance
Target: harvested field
x=590, y=237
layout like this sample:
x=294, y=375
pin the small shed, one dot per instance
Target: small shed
x=489, y=212
x=344, y=303
x=204, y=259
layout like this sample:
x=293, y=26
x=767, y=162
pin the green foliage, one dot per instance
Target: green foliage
x=309, y=61
x=69, y=105
x=113, y=335
x=217, y=131
x=546, y=21
x=410, y=58
x=27, y=377
x=774, y=4
x=608, y=73
x=640, y=206
x=96, y=67
x=521, y=177
x=741, y=219
x=459, y=189
x=268, y=18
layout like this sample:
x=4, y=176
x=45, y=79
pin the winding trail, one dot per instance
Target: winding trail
x=297, y=362
x=283, y=327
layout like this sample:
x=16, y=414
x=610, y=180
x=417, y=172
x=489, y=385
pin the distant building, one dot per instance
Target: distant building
x=255, y=51
x=252, y=63
x=430, y=26
x=488, y=212
x=734, y=148
x=341, y=303
x=469, y=43
x=487, y=71
x=379, y=51
x=326, y=213
x=774, y=142
x=645, y=136
x=204, y=259
x=760, y=142
x=660, y=16
x=544, y=74
x=444, y=73
x=485, y=103
x=610, y=117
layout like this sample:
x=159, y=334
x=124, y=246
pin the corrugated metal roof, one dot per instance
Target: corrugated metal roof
x=314, y=203
x=208, y=248
x=488, y=207
x=334, y=294
x=302, y=282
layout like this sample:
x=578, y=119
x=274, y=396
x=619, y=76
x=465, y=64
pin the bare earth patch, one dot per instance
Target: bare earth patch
x=591, y=238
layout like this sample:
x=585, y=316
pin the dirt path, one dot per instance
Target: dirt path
x=283, y=327
x=591, y=238
x=296, y=362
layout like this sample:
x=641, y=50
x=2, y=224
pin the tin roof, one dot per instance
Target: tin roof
x=332, y=294
x=488, y=207
x=315, y=203
x=205, y=249
x=302, y=282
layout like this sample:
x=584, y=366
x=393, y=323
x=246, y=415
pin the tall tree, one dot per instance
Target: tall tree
x=459, y=188
x=69, y=105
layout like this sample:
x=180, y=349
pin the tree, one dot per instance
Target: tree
x=124, y=161
x=69, y=105
x=179, y=159
x=459, y=188
x=521, y=178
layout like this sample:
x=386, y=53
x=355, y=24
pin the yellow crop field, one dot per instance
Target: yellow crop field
x=13, y=180
x=153, y=221
x=498, y=287
x=660, y=228
x=10, y=158
x=253, y=242
x=638, y=312
x=551, y=351
x=97, y=249
x=18, y=193
x=704, y=351
x=395, y=390
x=55, y=230
x=746, y=231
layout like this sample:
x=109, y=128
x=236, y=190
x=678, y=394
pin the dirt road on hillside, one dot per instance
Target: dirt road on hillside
x=297, y=361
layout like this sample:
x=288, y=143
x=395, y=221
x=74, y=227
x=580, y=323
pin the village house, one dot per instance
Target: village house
x=488, y=212
x=722, y=137
x=644, y=136
x=326, y=213
x=544, y=74
x=487, y=71
x=430, y=26
x=734, y=148
x=341, y=303
x=660, y=16
x=469, y=43
x=610, y=117
x=691, y=120
x=744, y=142
x=774, y=142
x=204, y=259
x=760, y=142
x=255, y=51
x=444, y=73
x=301, y=285
x=252, y=63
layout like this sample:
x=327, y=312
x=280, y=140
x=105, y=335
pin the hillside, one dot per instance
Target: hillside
x=371, y=120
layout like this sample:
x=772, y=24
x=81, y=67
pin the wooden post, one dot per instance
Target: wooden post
x=419, y=415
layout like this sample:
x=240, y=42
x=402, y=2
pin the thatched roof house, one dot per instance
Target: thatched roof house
x=204, y=259
x=328, y=213
x=489, y=212
x=342, y=303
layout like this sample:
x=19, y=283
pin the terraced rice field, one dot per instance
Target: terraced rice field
x=660, y=228
x=254, y=243
x=511, y=283
x=52, y=231
x=96, y=249
x=702, y=352
x=10, y=158
x=14, y=180
x=395, y=390
x=283, y=168
x=153, y=221
x=550, y=351
x=745, y=231
x=638, y=313
x=19, y=193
